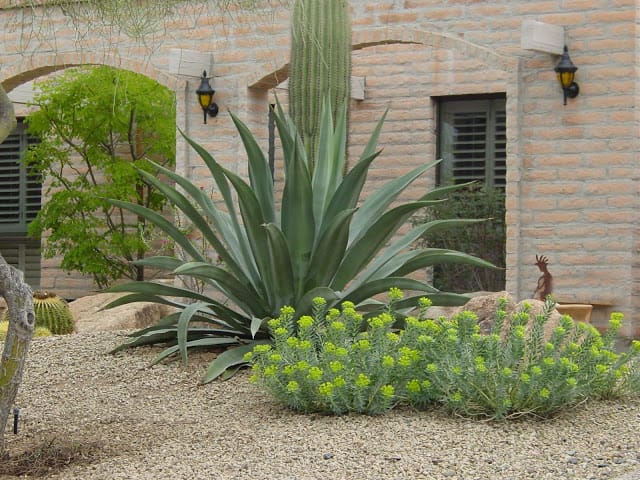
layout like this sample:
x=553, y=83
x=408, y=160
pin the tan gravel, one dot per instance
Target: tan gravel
x=158, y=423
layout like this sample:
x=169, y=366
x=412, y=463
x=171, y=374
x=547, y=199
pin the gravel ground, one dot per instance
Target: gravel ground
x=158, y=423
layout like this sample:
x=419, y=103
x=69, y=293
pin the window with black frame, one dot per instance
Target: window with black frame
x=472, y=145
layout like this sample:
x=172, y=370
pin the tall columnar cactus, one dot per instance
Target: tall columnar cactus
x=320, y=64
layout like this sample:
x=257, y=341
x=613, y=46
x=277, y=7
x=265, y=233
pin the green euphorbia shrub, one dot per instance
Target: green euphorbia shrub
x=329, y=363
x=337, y=362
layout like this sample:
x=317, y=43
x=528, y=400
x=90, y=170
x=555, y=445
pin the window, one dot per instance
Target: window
x=472, y=145
x=20, y=194
x=472, y=141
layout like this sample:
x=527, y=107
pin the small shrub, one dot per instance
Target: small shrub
x=484, y=239
x=514, y=371
x=339, y=362
x=332, y=364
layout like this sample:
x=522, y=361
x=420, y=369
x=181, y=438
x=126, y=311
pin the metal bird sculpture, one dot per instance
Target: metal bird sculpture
x=545, y=282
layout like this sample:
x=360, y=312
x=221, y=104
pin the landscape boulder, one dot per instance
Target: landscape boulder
x=90, y=317
x=484, y=306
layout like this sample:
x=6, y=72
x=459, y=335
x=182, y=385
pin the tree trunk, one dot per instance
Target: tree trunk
x=19, y=298
x=7, y=115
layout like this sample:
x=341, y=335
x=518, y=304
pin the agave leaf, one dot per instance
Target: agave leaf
x=242, y=295
x=193, y=331
x=304, y=305
x=330, y=160
x=376, y=203
x=348, y=193
x=442, y=192
x=141, y=297
x=329, y=250
x=361, y=252
x=230, y=372
x=198, y=343
x=286, y=131
x=220, y=176
x=256, y=323
x=229, y=358
x=183, y=323
x=155, y=289
x=443, y=299
x=253, y=223
x=199, y=222
x=148, y=338
x=170, y=320
x=162, y=223
x=281, y=268
x=160, y=262
x=391, y=258
x=433, y=256
x=372, y=144
x=297, y=221
x=259, y=172
x=225, y=315
x=231, y=245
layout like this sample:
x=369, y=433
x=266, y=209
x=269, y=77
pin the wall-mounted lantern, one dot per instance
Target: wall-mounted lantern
x=566, y=71
x=205, y=97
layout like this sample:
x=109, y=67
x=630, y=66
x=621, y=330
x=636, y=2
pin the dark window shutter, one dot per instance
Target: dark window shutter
x=472, y=141
x=20, y=197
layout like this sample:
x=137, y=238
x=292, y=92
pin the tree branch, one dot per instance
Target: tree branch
x=7, y=116
x=22, y=322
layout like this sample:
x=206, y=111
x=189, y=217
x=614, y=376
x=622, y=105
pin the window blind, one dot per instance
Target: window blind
x=473, y=141
x=20, y=197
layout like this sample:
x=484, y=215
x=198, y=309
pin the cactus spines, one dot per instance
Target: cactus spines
x=53, y=315
x=52, y=312
x=320, y=65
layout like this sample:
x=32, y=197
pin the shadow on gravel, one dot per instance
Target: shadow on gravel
x=50, y=456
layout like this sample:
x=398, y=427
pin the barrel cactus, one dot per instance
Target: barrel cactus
x=52, y=313
x=320, y=65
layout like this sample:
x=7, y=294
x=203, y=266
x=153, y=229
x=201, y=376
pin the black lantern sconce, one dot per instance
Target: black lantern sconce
x=566, y=72
x=205, y=97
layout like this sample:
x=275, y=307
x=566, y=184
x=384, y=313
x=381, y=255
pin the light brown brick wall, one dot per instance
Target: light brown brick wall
x=572, y=190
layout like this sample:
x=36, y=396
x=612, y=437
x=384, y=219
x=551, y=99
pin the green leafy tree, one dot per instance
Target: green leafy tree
x=319, y=240
x=99, y=127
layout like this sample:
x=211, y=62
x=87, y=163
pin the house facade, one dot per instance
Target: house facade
x=472, y=82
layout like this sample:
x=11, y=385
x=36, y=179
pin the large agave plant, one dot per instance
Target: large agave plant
x=319, y=242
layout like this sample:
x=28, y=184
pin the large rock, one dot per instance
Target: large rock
x=484, y=306
x=89, y=316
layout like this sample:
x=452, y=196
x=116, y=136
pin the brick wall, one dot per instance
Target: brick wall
x=572, y=191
